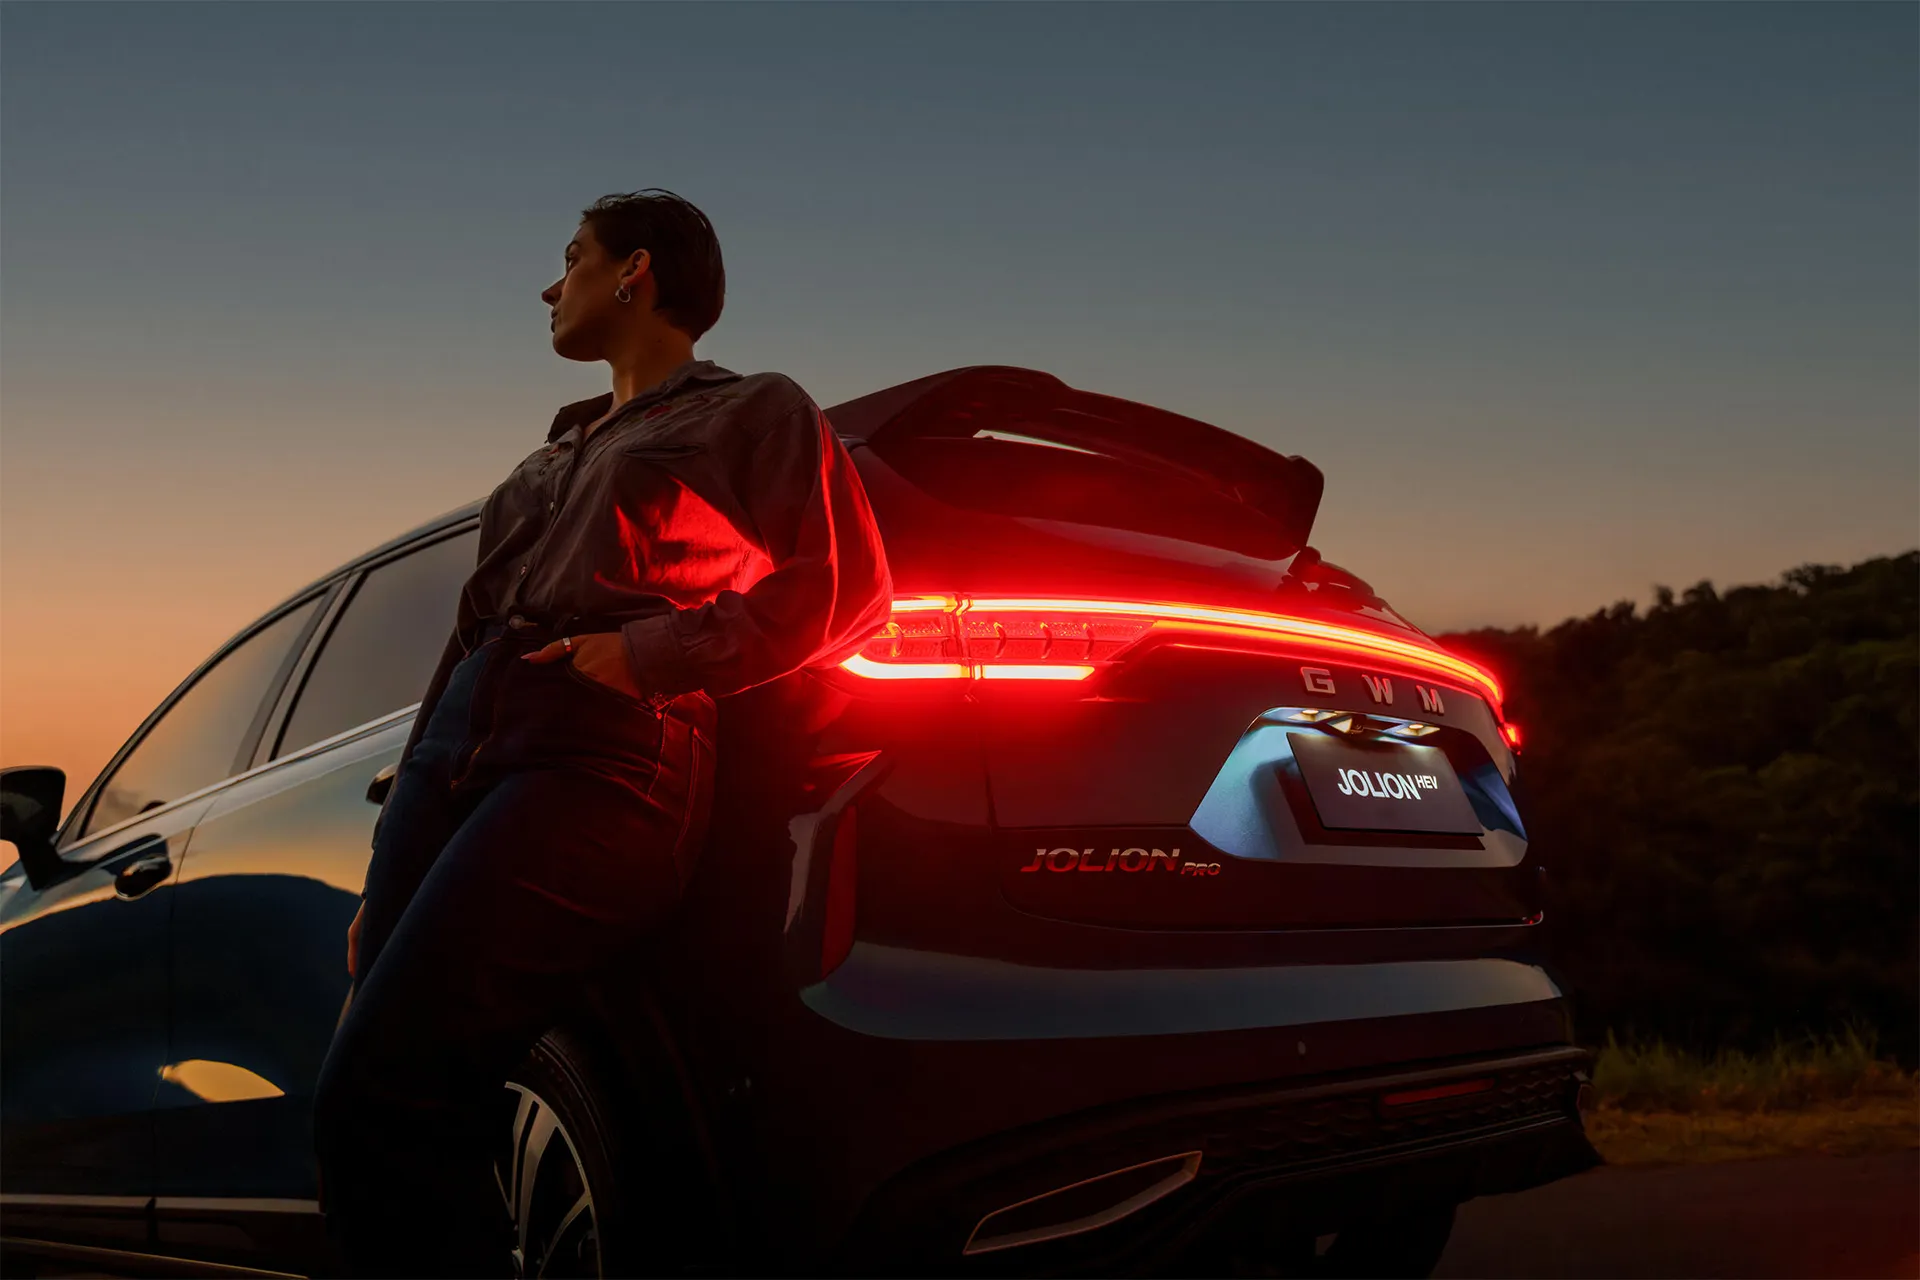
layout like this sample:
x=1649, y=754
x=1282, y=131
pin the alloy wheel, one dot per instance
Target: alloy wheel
x=544, y=1184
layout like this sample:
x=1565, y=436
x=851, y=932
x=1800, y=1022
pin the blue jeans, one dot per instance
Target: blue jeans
x=543, y=826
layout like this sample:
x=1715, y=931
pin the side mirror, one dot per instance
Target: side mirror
x=30, y=799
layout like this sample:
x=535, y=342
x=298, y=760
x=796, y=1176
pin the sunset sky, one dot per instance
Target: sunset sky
x=1565, y=301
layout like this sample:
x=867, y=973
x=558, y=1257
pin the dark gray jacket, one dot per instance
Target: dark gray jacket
x=715, y=520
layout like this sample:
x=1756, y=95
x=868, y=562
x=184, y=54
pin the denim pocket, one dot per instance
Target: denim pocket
x=624, y=698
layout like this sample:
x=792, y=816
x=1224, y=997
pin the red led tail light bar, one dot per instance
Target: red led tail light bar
x=1067, y=638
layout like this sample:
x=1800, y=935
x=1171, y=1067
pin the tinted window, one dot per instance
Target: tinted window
x=382, y=651
x=195, y=744
x=980, y=441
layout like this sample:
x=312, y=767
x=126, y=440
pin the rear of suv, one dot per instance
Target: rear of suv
x=1147, y=895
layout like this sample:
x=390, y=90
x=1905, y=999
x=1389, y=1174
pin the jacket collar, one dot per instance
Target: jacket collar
x=692, y=373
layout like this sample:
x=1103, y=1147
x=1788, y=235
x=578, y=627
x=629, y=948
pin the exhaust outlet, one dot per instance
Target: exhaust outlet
x=1082, y=1206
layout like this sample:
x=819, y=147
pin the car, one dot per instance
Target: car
x=1146, y=896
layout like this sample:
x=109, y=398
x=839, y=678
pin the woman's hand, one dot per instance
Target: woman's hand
x=600, y=655
x=353, y=943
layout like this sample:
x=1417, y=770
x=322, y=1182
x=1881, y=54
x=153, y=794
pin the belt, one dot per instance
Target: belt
x=520, y=626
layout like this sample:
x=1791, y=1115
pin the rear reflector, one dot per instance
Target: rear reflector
x=1412, y=1096
x=1047, y=638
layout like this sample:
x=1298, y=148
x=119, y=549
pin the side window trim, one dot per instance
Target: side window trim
x=83, y=808
x=207, y=792
x=250, y=741
x=290, y=692
x=307, y=652
x=351, y=734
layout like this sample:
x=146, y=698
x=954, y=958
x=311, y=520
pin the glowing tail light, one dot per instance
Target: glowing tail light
x=1034, y=671
x=861, y=665
x=1060, y=638
x=1511, y=732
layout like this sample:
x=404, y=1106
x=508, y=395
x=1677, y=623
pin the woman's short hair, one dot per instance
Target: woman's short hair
x=687, y=271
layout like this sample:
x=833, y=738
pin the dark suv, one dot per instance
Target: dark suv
x=1147, y=896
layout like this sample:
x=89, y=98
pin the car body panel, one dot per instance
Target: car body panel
x=886, y=1004
x=259, y=967
x=896, y=994
x=83, y=1035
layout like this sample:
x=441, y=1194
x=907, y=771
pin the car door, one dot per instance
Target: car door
x=83, y=956
x=259, y=974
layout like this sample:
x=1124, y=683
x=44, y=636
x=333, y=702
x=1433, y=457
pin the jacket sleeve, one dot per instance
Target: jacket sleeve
x=828, y=590
x=437, y=685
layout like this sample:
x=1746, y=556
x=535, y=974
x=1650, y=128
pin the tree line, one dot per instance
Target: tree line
x=1725, y=790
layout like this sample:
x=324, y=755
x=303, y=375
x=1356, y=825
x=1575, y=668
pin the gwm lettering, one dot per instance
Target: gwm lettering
x=1317, y=679
x=1379, y=688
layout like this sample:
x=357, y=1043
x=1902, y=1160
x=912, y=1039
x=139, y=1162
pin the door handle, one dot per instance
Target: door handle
x=142, y=872
x=141, y=875
x=381, y=784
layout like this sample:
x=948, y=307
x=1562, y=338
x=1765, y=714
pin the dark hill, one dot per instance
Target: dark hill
x=1726, y=791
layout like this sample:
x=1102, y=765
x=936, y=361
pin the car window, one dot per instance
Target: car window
x=381, y=653
x=196, y=743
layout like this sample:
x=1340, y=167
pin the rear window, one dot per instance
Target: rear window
x=1026, y=478
x=1016, y=442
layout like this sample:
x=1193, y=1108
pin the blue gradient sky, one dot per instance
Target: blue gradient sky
x=1566, y=301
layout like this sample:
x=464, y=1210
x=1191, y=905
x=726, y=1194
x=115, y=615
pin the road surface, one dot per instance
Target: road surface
x=1826, y=1216
x=1800, y=1216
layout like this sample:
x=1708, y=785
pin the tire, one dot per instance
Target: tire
x=579, y=1176
x=1408, y=1244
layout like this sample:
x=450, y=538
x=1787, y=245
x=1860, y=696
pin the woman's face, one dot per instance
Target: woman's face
x=585, y=314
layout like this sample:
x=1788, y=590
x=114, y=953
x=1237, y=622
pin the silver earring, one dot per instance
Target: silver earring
x=623, y=294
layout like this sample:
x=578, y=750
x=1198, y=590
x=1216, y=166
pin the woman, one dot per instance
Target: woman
x=690, y=534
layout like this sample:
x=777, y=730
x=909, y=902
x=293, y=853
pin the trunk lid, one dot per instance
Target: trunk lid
x=1178, y=734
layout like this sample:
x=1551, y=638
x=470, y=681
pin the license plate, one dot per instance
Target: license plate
x=1382, y=786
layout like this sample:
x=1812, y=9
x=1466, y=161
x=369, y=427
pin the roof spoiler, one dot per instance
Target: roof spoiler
x=1284, y=489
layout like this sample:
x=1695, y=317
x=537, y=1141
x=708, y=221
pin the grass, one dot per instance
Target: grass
x=1835, y=1094
x=1791, y=1075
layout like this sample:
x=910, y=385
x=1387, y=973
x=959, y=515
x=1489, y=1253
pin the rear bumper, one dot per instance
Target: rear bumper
x=893, y=993
x=908, y=1096
x=1305, y=1158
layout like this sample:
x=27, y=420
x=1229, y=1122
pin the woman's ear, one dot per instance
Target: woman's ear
x=638, y=263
